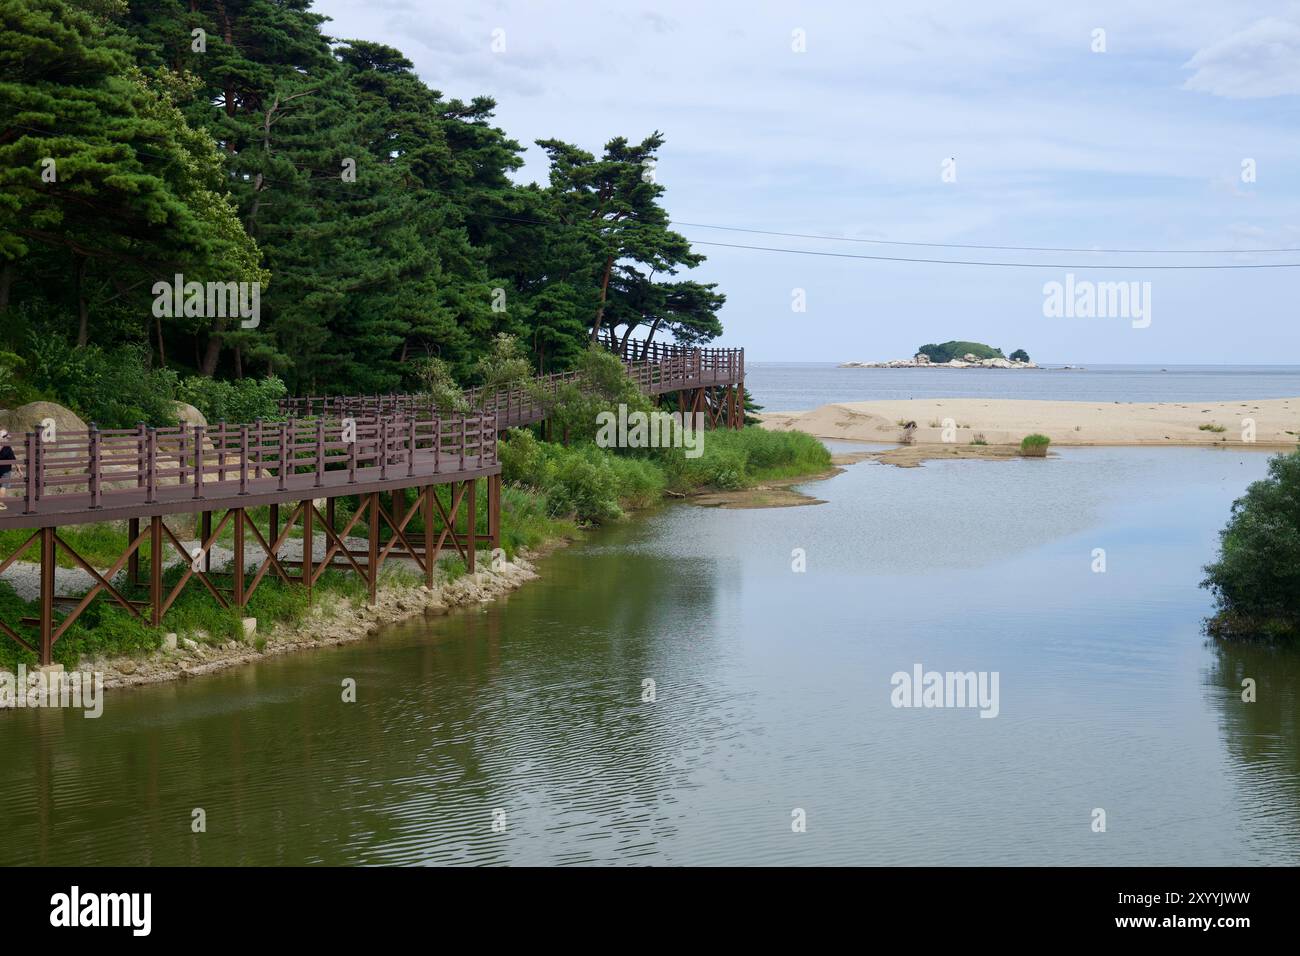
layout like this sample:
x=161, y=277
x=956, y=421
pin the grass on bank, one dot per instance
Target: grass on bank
x=594, y=485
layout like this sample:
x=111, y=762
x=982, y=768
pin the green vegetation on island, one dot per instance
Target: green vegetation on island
x=947, y=351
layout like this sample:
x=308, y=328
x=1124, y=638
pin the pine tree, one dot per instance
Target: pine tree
x=102, y=182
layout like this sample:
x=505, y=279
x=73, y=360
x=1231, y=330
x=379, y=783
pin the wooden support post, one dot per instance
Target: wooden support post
x=133, y=562
x=238, y=568
x=471, y=523
x=155, y=569
x=372, y=565
x=205, y=532
x=47, y=596
x=430, y=558
x=494, y=511
x=308, y=534
x=329, y=513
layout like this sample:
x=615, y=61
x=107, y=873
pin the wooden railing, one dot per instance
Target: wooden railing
x=714, y=363
x=516, y=405
x=100, y=468
x=654, y=366
x=97, y=468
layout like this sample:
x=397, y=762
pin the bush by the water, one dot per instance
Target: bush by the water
x=584, y=481
x=1256, y=580
x=1034, y=446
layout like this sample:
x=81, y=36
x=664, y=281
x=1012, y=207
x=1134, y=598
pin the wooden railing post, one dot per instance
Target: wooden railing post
x=320, y=452
x=221, y=452
x=198, y=461
x=284, y=454
x=257, y=472
x=94, y=449
x=183, y=476
x=243, y=459
x=32, y=466
x=151, y=467
x=140, y=433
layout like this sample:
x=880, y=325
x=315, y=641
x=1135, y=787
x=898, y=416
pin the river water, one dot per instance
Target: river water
x=520, y=733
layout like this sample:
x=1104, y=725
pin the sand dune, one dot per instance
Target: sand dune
x=1006, y=421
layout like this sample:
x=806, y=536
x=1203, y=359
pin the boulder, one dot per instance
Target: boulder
x=921, y=359
x=28, y=418
x=189, y=415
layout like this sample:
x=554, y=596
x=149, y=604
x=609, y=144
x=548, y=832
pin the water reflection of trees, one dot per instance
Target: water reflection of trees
x=1263, y=737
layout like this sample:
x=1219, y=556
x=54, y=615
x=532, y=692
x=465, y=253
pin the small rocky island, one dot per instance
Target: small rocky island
x=954, y=355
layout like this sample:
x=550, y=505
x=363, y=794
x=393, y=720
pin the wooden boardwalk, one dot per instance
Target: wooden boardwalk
x=707, y=381
x=326, y=449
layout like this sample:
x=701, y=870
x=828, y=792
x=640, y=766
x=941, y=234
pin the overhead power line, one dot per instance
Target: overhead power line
x=960, y=245
x=949, y=262
x=1006, y=265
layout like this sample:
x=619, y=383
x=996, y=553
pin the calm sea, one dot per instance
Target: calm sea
x=795, y=386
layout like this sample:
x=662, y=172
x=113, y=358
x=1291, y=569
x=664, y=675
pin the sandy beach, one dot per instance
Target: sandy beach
x=1004, y=422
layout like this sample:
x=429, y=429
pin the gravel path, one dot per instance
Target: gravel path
x=25, y=577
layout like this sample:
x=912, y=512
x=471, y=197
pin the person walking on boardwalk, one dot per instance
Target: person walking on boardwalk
x=6, y=456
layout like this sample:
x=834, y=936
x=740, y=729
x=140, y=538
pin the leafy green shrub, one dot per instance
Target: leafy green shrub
x=439, y=386
x=1212, y=427
x=603, y=385
x=240, y=401
x=1019, y=355
x=522, y=457
x=12, y=389
x=506, y=365
x=1256, y=580
x=1034, y=446
x=641, y=482
x=584, y=481
x=114, y=388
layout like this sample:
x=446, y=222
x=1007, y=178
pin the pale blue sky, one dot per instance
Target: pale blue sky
x=1137, y=147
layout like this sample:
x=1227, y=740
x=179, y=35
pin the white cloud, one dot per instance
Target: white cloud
x=1261, y=60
